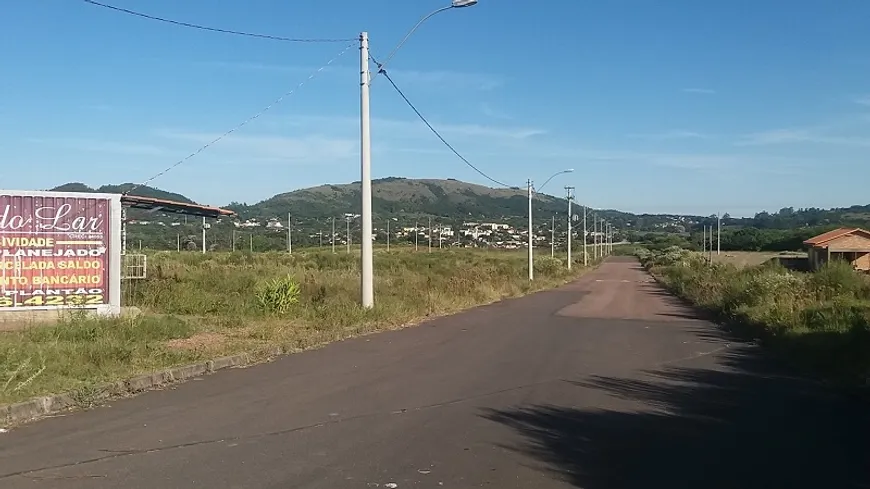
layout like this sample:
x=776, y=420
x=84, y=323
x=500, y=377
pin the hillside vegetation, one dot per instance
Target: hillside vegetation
x=820, y=321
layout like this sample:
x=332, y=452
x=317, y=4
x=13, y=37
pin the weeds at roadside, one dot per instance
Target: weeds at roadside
x=197, y=306
x=820, y=321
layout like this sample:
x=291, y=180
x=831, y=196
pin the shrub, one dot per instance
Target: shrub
x=548, y=265
x=821, y=320
x=278, y=295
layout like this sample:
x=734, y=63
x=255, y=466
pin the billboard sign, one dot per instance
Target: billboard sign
x=60, y=250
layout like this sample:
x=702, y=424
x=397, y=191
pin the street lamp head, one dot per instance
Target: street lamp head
x=463, y=3
x=569, y=170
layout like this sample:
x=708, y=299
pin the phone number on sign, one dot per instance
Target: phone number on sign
x=55, y=300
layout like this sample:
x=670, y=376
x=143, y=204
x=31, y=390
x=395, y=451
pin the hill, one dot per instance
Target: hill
x=454, y=200
x=142, y=191
x=402, y=197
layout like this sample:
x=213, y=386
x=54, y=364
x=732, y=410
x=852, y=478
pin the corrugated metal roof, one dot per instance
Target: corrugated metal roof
x=151, y=203
x=832, y=235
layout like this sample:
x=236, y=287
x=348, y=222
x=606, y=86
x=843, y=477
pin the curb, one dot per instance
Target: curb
x=88, y=397
x=39, y=407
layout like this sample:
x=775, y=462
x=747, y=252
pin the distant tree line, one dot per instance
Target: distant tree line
x=731, y=239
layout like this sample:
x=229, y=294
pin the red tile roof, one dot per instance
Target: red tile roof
x=823, y=238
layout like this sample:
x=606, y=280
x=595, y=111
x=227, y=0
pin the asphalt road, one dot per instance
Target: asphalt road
x=607, y=383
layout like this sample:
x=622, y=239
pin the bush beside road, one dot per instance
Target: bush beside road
x=201, y=306
x=819, y=321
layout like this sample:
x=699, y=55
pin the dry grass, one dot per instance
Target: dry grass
x=820, y=321
x=743, y=259
x=198, y=306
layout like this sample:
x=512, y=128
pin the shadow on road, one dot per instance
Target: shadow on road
x=735, y=424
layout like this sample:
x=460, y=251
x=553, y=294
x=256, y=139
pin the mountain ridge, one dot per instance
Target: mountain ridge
x=406, y=198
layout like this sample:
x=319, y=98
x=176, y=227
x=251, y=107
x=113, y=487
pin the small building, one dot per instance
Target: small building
x=849, y=244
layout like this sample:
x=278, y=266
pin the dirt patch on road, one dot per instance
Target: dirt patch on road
x=624, y=290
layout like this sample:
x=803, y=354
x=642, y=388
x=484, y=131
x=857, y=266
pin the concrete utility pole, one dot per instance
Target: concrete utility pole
x=366, y=258
x=594, y=236
x=531, y=245
x=416, y=234
x=610, y=239
x=347, y=235
x=203, y=234
x=704, y=241
x=711, y=244
x=430, y=235
x=332, y=238
x=289, y=236
x=251, y=247
x=585, y=254
x=568, y=197
x=718, y=234
x=178, y=242
x=388, y=235
x=553, y=238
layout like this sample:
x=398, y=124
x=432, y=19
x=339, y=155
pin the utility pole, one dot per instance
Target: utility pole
x=332, y=238
x=704, y=241
x=416, y=235
x=568, y=197
x=430, y=235
x=178, y=242
x=289, y=236
x=594, y=236
x=585, y=255
x=320, y=240
x=233, y=240
x=711, y=244
x=440, y=235
x=252, y=243
x=367, y=262
x=347, y=236
x=553, y=238
x=531, y=245
x=609, y=238
x=388, y=235
x=718, y=234
x=203, y=234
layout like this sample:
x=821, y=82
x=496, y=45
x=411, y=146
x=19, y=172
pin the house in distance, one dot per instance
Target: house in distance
x=848, y=244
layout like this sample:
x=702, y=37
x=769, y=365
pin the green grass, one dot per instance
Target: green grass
x=819, y=321
x=198, y=306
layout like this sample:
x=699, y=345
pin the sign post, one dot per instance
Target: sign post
x=60, y=250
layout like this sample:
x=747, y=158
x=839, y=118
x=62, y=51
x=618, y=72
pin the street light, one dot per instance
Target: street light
x=531, y=194
x=367, y=285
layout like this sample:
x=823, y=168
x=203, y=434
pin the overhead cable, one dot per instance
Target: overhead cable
x=435, y=131
x=246, y=121
x=214, y=29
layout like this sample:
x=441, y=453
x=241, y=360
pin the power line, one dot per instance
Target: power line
x=435, y=131
x=245, y=122
x=213, y=29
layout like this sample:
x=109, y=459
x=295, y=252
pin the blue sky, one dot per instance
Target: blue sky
x=677, y=106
